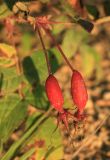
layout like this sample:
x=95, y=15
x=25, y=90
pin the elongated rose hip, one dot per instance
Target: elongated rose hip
x=54, y=93
x=79, y=91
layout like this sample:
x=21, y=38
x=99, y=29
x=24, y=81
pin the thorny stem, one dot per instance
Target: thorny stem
x=45, y=51
x=59, y=48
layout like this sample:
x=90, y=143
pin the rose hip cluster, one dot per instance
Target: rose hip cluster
x=78, y=92
x=53, y=90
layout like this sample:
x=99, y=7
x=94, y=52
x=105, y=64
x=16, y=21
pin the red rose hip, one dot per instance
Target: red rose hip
x=54, y=93
x=79, y=91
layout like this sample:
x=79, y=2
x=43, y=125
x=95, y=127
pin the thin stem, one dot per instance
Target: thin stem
x=45, y=51
x=102, y=20
x=59, y=48
x=59, y=22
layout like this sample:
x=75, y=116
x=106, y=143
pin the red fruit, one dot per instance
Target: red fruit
x=54, y=93
x=79, y=91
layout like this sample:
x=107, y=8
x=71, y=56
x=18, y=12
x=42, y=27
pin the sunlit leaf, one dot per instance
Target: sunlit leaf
x=7, y=55
x=90, y=59
x=72, y=40
x=10, y=108
x=26, y=43
x=4, y=11
x=7, y=51
x=59, y=27
x=11, y=80
x=9, y=154
x=27, y=154
x=54, y=141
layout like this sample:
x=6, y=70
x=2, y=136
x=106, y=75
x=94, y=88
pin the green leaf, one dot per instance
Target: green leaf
x=9, y=154
x=90, y=59
x=31, y=119
x=26, y=44
x=37, y=97
x=4, y=12
x=59, y=27
x=34, y=67
x=50, y=140
x=27, y=154
x=8, y=54
x=72, y=40
x=11, y=80
x=56, y=154
x=8, y=50
x=10, y=108
x=55, y=59
x=36, y=74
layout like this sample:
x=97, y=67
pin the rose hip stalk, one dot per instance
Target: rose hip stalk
x=79, y=92
x=43, y=46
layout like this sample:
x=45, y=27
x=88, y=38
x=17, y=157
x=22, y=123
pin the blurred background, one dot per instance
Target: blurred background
x=89, y=53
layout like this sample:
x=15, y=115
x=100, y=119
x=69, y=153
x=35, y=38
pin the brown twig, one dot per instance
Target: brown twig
x=45, y=51
x=102, y=20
